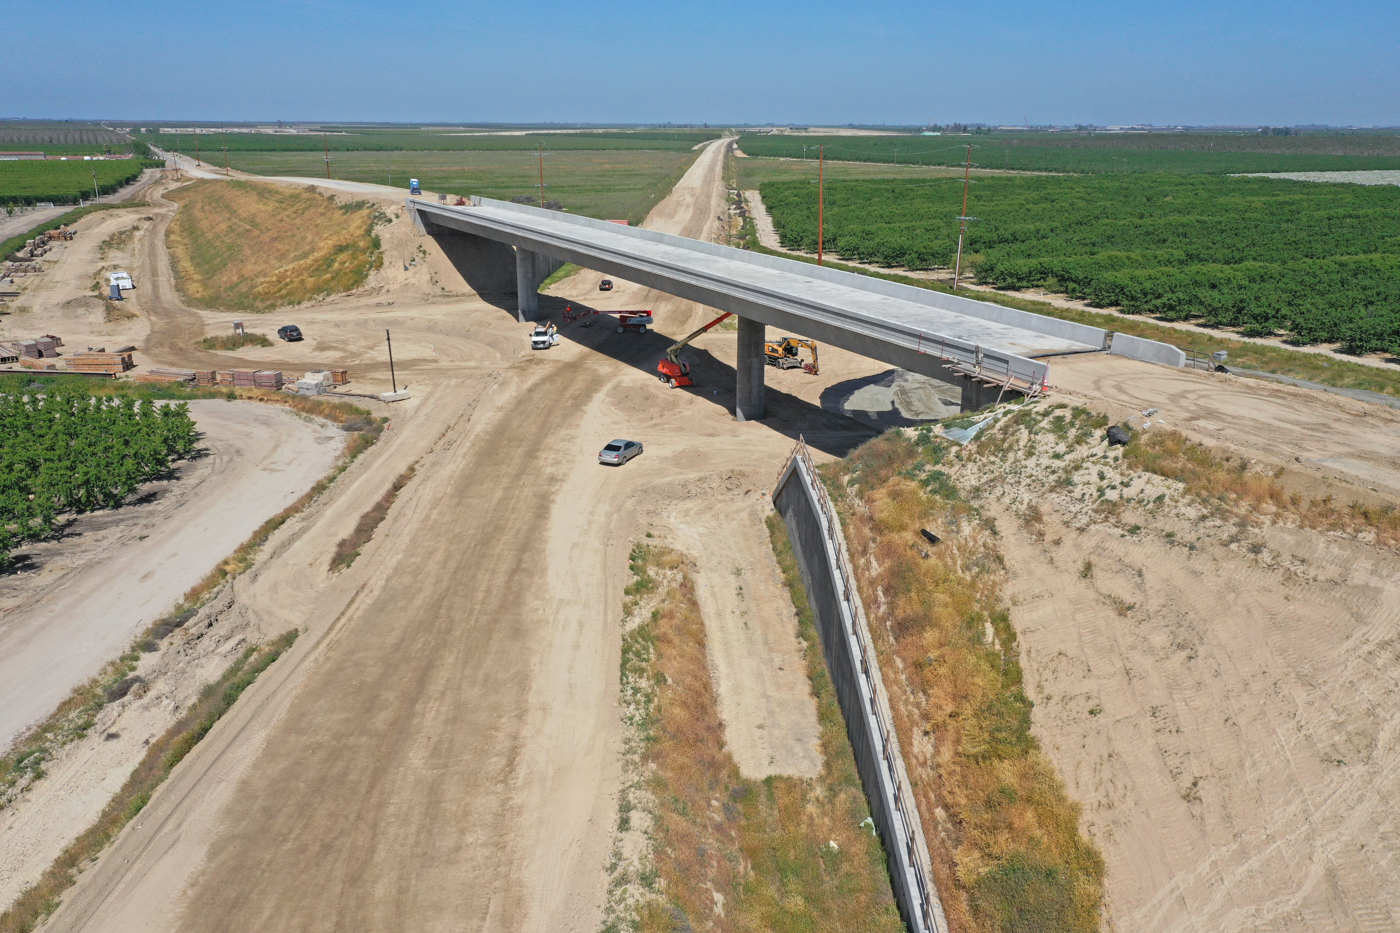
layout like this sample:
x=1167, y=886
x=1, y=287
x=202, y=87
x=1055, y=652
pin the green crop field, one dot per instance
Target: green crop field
x=26, y=182
x=1320, y=262
x=1198, y=153
x=607, y=184
x=398, y=139
x=65, y=138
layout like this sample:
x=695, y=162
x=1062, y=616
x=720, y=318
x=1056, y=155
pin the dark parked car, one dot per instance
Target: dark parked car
x=289, y=332
x=605, y=285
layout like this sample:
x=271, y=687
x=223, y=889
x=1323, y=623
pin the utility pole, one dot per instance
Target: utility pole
x=393, y=380
x=225, y=135
x=196, y=149
x=963, y=218
x=95, y=195
x=541, y=153
x=821, y=198
x=325, y=143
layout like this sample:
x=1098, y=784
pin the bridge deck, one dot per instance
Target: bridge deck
x=807, y=299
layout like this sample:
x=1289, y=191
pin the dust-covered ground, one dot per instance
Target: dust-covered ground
x=1217, y=691
x=443, y=741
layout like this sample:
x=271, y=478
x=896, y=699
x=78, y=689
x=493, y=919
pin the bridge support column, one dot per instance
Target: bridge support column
x=531, y=269
x=748, y=371
x=977, y=395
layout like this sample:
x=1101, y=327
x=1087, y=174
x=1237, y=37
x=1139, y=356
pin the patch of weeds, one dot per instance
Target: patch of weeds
x=349, y=547
x=41, y=898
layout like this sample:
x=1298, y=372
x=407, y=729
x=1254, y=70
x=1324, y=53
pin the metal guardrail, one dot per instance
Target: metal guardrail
x=909, y=839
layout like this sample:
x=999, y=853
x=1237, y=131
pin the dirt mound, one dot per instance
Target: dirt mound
x=245, y=246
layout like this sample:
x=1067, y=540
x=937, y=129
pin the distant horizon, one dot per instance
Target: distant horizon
x=720, y=124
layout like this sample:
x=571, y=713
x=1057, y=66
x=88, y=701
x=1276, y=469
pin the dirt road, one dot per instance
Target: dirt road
x=83, y=597
x=441, y=748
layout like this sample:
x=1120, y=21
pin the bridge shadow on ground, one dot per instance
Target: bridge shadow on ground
x=832, y=433
x=488, y=267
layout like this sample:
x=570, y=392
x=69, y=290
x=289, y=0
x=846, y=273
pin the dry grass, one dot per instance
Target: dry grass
x=730, y=853
x=1230, y=482
x=234, y=341
x=163, y=754
x=1011, y=855
x=349, y=547
x=117, y=241
x=247, y=246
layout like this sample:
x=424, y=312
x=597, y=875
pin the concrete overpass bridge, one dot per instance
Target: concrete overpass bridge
x=987, y=350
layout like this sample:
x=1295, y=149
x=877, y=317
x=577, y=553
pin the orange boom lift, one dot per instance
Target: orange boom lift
x=675, y=373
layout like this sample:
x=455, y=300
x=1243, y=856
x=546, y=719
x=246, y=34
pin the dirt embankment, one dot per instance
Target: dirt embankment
x=243, y=246
x=1215, y=680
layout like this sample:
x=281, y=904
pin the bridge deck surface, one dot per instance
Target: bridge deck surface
x=848, y=304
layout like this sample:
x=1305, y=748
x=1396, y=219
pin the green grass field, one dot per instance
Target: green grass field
x=26, y=182
x=1197, y=153
x=623, y=184
x=378, y=139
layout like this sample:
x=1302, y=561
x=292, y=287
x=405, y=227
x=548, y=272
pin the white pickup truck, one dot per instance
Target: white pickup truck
x=544, y=337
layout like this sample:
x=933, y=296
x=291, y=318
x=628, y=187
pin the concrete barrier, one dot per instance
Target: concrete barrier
x=820, y=549
x=1150, y=351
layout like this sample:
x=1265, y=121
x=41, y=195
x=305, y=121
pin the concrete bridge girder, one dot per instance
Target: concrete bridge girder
x=895, y=324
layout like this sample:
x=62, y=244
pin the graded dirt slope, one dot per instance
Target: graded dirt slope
x=1220, y=696
x=246, y=246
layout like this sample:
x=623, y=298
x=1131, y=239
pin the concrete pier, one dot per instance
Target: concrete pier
x=748, y=371
x=531, y=268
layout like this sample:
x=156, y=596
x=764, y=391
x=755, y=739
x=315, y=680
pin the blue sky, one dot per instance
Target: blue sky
x=877, y=61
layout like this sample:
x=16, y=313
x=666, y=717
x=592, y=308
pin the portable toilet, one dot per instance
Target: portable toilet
x=116, y=294
x=413, y=186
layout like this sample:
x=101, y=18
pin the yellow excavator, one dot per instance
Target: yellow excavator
x=783, y=353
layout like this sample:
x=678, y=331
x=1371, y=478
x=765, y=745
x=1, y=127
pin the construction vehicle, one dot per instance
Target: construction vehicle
x=413, y=186
x=783, y=353
x=675, y=373
x=544, y=336
x=632, y=320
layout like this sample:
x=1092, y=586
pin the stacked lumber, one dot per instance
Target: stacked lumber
x=167, y=375
x=206, y=377
x=100, y=362
x=225, y=377
x=268, y=379
x=29, y=349
x=242, y=378
x=48, y=346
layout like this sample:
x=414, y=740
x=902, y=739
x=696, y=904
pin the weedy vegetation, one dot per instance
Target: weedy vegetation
x=247, y=246
x=727, y=853
x=35, y=903
x=1011, y=856
x=234, y=341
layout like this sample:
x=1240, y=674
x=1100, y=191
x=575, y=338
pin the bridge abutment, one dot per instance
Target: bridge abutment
x=748, y=371
x=531, y=268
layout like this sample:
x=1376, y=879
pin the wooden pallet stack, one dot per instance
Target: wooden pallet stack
x=268, y=379
x=206, y=377
x=242, y=378
x=100, y=362
x=186, y=376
